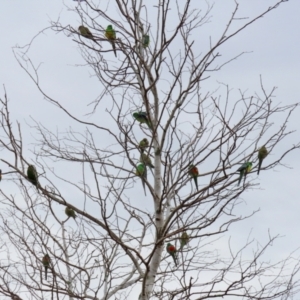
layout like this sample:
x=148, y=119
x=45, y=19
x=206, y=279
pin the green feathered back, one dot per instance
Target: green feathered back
x=145, y=40
x=70, y=212
x=32, y=174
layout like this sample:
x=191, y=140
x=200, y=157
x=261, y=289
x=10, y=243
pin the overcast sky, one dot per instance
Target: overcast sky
x=274, y=43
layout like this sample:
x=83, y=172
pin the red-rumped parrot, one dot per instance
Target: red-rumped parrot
x=111, y=36
x=142, y=118
x=244, y=169
x=32, y=175
x=70, y=212
x=141, y=171
x=145, y=40
x=194, y=173
x=184, y=239
x=46, y=263
x=146, y=160
x=85, y=32
x=144, y=143
x=262, y=154
x=172, y=251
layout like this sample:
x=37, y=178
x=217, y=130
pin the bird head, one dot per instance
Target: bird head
x=109, y=27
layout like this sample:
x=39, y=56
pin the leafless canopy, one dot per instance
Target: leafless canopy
x=116, y=246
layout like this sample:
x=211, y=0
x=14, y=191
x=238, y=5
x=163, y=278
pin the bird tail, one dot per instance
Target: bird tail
x=46, y=272
x=144, y=186
x=152, y=171
x=196, y=182
x=241, y=175
x=259, y=166
x=175, y=259
x=150, y=125
x=114, y=48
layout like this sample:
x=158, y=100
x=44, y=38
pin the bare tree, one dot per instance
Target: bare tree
x=114, y=247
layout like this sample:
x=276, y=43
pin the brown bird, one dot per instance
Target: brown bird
x=46, y=263
x=84, y=31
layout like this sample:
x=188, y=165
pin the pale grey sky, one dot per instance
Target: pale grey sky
x=274, y=43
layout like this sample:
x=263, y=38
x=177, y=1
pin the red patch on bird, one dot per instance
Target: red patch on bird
x=172, y=248
x=194, y=170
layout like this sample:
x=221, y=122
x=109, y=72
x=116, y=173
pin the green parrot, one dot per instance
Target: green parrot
x=142, y=118
x=111, y=36
x=144, y=143
x=184, y=239
x=172, y=251
x=145, y=159
x=262, y=154
x=194, y=173
x=145, y=40
x=141, y=171
x=46, y=263
x=244, y=169
x=70, y=212
x=32, y=175
x=85, y=32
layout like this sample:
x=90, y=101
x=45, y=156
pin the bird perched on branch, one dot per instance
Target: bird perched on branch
x=145, y=40
x=172, y=252
x=32, y=175
x=146, y=160
x=142, y=117
x=244, y=169
x=194, y=173
x=85, y=32
x=46, y=263
x=141, y=171
x=184, y=239
x=70, y=212
x=144, y=143
x=111, y=36
x=262, y=154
